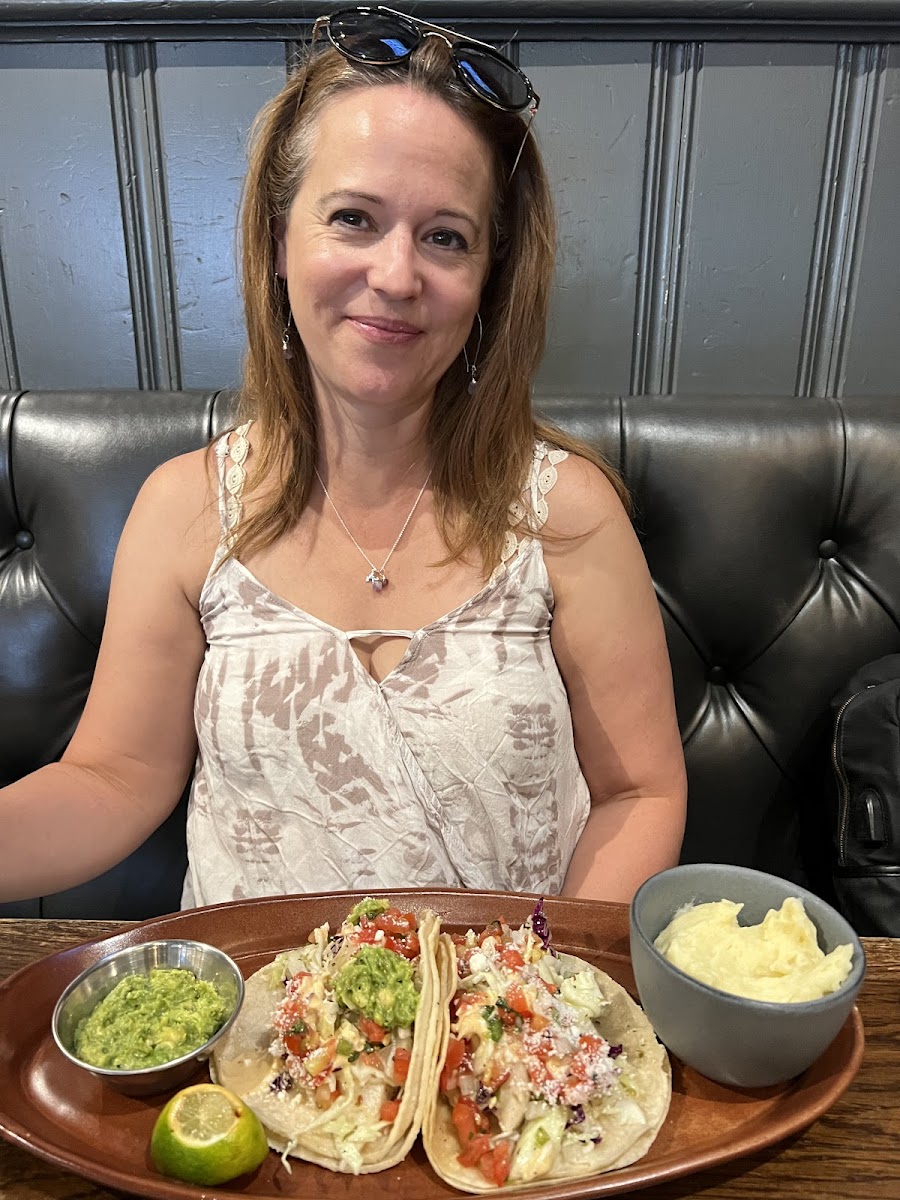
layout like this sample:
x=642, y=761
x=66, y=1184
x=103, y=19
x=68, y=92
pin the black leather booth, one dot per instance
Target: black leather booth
x=772, y=528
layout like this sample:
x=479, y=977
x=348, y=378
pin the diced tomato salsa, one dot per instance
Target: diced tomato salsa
x=392, y=929
x=456, y=1051
x=401, y=1064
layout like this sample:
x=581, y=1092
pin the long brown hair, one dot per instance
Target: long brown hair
x=480, y=444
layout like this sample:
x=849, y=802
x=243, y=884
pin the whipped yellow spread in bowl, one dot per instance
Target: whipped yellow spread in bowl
x=777, y=960
x=749, y=990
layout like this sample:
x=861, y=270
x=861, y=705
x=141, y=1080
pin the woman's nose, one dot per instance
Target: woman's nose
x=394, y=269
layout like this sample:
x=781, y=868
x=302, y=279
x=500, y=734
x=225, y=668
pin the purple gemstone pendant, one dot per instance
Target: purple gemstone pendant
x=378, y=579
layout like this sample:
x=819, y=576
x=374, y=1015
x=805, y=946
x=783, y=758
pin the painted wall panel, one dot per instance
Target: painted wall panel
x=209, y=94
x=748, y=144
x=61, y=220
x=873, y=358
x=761, y=136
x=592, y=127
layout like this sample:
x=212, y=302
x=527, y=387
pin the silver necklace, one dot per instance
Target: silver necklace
x=376, y=576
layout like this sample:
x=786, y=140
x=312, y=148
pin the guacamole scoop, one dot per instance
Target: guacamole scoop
x=379, y=984
x=150, y=1019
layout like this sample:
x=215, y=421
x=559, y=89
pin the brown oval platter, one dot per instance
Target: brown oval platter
x=66, y=1116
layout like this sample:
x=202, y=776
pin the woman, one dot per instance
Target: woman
x=416, y=630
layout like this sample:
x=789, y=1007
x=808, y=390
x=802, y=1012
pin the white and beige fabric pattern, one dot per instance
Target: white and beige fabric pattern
x=457, y=769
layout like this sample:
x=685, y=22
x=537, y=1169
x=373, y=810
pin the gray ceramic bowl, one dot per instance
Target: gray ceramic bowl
x=85, y=992
x=746, y=1043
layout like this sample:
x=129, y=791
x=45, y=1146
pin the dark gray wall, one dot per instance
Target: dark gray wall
x=727, y=188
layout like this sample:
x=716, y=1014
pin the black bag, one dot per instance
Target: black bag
x=866, y=831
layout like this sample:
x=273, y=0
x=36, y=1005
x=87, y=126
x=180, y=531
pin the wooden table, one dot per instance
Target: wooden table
x=851, y=1153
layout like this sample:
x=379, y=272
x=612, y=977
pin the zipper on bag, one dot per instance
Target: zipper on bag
x=844, y=801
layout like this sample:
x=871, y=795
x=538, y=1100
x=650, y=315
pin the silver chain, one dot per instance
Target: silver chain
x=376, y=576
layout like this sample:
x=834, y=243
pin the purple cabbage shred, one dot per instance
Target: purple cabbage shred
x=615, y=1051
x=281, y=1083
x=577, y=1116
x=598, y=1139
x=541, y=926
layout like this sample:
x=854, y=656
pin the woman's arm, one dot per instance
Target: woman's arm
x=132, y=752
x=608, y=639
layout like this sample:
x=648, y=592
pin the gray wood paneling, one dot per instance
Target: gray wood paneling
x=61, y=222
x=208, y=96
x=592, y=128
x=140, y=158
x=9, y=367
x=840, y=224
x=761, y=137
x=666, y=223
x=492, y=20
x=872, y=365
x=727, y=211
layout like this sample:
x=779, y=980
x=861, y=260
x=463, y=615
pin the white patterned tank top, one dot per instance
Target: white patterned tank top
x=457, y=769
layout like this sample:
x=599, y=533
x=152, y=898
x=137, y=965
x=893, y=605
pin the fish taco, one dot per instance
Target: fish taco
x=336, y=1040
x=547, y=1069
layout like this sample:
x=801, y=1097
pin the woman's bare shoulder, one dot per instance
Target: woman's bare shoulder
x=177, y=508
x=182, y=487
x=590, y=547
x=582, y=501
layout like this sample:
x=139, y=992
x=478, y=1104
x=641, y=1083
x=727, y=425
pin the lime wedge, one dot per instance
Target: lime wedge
x=207, y=1135
x=203, y=1115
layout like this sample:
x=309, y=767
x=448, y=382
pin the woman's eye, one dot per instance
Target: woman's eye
x=449, y=239
x=351, y=219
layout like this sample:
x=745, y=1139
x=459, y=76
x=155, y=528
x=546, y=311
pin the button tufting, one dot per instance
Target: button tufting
x=716, y=675
x=828, y=548
x=24, y=539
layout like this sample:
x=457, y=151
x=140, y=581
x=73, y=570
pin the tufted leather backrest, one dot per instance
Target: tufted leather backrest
x=71, y=464
x=772, y=529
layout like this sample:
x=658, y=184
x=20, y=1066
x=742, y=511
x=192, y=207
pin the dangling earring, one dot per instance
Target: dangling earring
x=286, y=348
x=472, y=367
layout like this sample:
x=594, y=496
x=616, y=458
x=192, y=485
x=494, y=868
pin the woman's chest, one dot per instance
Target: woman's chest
x=269, y=663
x=378, y=593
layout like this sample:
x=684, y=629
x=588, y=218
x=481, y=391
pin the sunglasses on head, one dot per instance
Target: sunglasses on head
x=381, y=37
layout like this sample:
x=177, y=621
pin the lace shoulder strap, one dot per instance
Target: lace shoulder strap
x=532, y=510
x=233, y=446
x=543, y=480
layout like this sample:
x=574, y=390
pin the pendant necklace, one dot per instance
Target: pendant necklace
x=376, y=576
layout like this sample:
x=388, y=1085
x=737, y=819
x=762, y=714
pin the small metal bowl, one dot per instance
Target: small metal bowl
x=84, y=993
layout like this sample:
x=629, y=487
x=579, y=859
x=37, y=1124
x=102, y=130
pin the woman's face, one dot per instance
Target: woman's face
x=386, y=245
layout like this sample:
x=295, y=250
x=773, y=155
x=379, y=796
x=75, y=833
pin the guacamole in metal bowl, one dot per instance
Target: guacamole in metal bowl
x=150, y=1019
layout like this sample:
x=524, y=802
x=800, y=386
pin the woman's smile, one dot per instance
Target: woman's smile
x=385, y=331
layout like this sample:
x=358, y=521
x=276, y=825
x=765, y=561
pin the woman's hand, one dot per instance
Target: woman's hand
x=608, y=639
